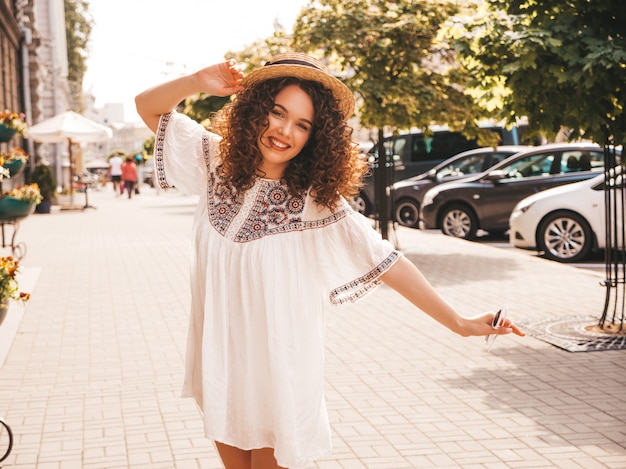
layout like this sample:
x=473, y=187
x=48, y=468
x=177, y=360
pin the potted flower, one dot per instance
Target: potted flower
x=14, y=160
x=44, y=178
x=9, y=287
x=11, y=123
x=19, y=202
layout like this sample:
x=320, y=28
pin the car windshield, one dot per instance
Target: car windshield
x=461, y=167
x=533, y=165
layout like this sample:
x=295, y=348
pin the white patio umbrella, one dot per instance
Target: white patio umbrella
x=69, y=127
x=98, y=163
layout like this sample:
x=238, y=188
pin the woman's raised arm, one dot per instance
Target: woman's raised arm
x=222, y=79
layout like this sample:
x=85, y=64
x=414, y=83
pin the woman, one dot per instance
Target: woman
x=275, y=243
x=129, y=175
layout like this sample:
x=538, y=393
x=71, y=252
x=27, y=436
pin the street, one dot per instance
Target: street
x=594, y=263
x=93, y=369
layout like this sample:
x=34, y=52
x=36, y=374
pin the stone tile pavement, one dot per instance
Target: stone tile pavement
x=91, y=369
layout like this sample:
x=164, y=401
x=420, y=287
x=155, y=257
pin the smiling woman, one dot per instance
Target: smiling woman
x=276, y=244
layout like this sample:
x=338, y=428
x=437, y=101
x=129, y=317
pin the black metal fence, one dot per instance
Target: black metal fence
x=615, y=242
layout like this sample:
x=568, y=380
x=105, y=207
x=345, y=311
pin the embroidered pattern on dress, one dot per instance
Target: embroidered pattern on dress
x=223, y=203
x=206, y=149
x=350, y=292
x=272, y=211
x=158, y=152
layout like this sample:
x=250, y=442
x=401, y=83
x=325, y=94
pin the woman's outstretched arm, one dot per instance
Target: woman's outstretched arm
x=222, y=79
x=406, y=279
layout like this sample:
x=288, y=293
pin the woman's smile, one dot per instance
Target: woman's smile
x=278, y=144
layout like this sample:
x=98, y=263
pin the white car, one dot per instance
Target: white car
x=567, y=222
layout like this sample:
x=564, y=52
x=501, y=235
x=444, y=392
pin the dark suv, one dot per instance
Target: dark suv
x=485, y=201
x=414, y=153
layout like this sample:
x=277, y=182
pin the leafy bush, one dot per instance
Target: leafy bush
x=42, y=176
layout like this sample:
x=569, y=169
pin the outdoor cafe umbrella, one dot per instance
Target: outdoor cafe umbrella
x=98, y=163
x=69, y=127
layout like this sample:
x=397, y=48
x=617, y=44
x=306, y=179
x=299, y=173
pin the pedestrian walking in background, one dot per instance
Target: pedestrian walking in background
x=276, y=244
x=129, y=175
x=114, y=172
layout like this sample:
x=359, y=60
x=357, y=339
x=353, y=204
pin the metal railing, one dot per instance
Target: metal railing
x=612, y=318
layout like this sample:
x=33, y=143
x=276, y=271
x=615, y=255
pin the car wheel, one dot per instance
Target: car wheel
x=564, y=237
x=459, y=221
x=407, y=213
x=360, y=204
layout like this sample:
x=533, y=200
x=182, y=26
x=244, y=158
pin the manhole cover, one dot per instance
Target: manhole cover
x=573, y=334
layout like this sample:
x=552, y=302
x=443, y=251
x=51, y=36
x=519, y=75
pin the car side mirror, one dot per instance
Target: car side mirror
x=433, y=175
x=496, y=175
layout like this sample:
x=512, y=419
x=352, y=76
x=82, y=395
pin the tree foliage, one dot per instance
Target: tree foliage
x=202, y=106
x=391, y=55
x=558, y=62
x=78, y=25
x=148, y=147
x=257, y=53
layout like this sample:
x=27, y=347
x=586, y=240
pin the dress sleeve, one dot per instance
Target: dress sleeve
x=352, y=256
x=183, y=152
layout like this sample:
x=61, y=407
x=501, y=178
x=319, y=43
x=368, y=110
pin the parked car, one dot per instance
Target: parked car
x=414, y=153
x=148, y=174
x=566, y=223
x=485, y=201
x=407, y=195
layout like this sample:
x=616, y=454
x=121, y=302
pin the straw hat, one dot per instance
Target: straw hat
x=306, y=68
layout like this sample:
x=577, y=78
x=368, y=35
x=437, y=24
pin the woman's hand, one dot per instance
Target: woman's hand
x=408, y=280
x=222, y=79
x=481, y=325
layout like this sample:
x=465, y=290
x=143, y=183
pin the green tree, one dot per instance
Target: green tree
x=558, y=62
x=201, y=106
x=78, y=25
x=256, y=54
x=392, y=57
x=148, y=148
x=391, y=54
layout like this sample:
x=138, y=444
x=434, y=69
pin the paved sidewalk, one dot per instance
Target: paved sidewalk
x=91, y=370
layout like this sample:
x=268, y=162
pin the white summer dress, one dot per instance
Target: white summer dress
x=265, y=267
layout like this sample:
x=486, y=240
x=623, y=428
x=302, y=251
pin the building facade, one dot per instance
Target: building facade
x=34, y=80
x=33, y=77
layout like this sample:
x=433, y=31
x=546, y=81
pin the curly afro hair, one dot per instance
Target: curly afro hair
x=328, y=166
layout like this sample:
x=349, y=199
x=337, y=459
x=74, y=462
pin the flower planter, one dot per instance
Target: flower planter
x=45, y=206
x=6, y=134
x=14, y=209
x=15, y=167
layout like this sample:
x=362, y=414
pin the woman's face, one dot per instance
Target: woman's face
x=290, y=123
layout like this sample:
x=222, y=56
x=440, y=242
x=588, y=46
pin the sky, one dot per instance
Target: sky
x=136, y=44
